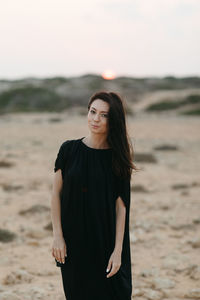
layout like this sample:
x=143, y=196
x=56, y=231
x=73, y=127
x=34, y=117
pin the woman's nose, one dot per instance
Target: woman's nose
x=96, y=117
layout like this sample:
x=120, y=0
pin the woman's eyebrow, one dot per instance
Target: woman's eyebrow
x=101, y=111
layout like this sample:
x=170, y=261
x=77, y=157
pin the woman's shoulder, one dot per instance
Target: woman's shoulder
x=67, y=144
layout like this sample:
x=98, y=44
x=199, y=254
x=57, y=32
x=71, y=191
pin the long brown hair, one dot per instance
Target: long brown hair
x=118, y=138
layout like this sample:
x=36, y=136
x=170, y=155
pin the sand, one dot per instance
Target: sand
x=165, y=206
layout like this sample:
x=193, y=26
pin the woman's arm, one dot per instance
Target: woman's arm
x=59, y=246
x=55, y=204
x=120, y=224
x=115, y=258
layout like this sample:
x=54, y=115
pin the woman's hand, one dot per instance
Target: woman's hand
x=59, y=249
x=114, y=263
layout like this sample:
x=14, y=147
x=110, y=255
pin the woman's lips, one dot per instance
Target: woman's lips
x=95, y=126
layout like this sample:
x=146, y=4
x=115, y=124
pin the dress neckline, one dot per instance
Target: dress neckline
x=94, y=149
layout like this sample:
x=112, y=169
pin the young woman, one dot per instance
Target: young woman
x=90, y=206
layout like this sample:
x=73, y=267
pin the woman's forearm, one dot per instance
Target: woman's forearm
x=56, y=215
x=120, y=223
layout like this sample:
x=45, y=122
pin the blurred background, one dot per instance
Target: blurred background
x=54, y=55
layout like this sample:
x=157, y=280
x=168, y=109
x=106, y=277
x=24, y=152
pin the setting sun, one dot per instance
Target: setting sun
x=108, y=74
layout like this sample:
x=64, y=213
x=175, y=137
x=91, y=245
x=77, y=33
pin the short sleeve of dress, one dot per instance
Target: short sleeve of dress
x=61, y=158
x=123, y=190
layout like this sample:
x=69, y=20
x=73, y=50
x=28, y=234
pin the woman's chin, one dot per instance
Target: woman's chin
x=94, y=128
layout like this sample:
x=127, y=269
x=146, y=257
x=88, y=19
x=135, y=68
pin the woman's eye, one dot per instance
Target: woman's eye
x=104, y=115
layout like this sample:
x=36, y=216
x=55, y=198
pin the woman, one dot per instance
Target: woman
x=90, y=206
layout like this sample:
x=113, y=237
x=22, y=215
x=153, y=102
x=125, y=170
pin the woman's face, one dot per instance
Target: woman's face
x=98, y=116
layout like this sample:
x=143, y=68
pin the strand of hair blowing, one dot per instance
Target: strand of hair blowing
x=118, y=138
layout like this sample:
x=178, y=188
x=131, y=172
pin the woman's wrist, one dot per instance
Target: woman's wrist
x=118, y=248
x=57, y=234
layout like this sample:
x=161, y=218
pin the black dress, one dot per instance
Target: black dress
x=88, y=219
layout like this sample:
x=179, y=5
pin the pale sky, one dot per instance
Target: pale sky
x=45, y=38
